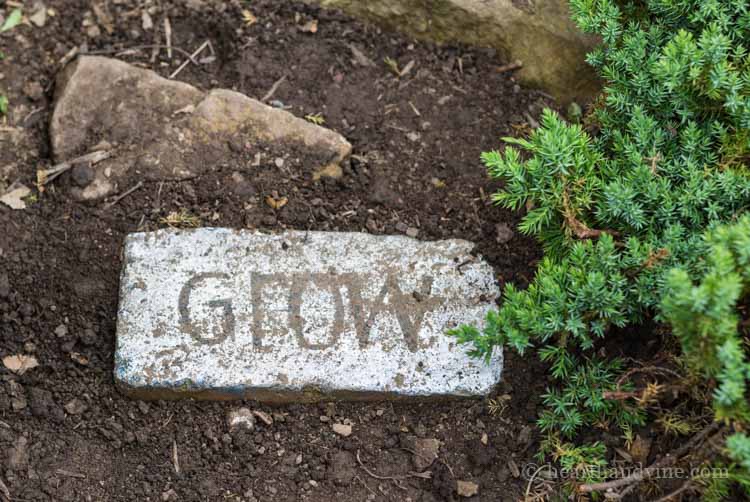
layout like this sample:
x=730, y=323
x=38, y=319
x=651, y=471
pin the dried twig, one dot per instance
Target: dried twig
x=72, y=53
x=274, y=88
x=531, y=482
x=408, y=68
x=124, y=194
x=688, y=485
x=175, y=458
x=191, y=59
x=365, y=485
x=4, y=491
x=580, y=229
x=46, y=175
x=32, y=113
x=646, y=369
x=168, y=36
x=654, y=258
x=515, y=65
x=417, y=454
x=654, y=468
x=63, y=472
x=124, y=50
x=396, y=479
x=68, y=57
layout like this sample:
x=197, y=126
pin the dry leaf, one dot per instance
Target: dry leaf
x=15, y=195
x=467, y=488
x=20, y=363
x=640, y=449
x=276, y=203
x=249, y=18
x=79, y=358
x=103, y=17
x=310, y=26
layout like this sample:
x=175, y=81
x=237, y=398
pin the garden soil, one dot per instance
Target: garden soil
x=67, y=434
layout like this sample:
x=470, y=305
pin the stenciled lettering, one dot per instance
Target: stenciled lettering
x=297, y=322
x=186, y=324
x=399, y=305
x=409, y=309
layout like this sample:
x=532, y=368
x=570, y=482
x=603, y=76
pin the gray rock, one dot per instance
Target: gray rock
x=165, y=129
x=218, y=313
x=504, y=233
x=539, y=33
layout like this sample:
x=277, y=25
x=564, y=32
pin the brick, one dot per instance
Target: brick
x=299, y=316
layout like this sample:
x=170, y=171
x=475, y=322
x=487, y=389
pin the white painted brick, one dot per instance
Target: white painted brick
x=299, y=316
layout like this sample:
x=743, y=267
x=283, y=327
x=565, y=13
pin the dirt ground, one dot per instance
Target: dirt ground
x=65, y=431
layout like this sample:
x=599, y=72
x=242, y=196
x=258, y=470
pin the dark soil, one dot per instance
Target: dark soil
x=417, y=141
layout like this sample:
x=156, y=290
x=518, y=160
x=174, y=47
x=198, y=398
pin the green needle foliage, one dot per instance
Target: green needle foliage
x=621, y=200
x=704, y=317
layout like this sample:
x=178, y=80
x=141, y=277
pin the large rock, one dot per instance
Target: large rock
x=225, y=314
x=539, y=33
x=167, y=130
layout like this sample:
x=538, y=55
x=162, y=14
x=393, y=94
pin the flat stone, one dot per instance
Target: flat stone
x=162, y=129
x=342, y=429
x=299, y=316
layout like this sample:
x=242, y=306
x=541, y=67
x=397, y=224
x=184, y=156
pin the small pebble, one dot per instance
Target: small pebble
x=75, y=407
x=34, y=91
x=342, y=429
x=242, y=418
x=82, y=175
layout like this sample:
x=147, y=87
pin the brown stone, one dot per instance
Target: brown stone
x=167, y=130
x=425, y=453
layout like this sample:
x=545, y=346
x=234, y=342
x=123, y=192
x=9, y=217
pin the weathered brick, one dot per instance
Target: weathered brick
x=222, y=314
